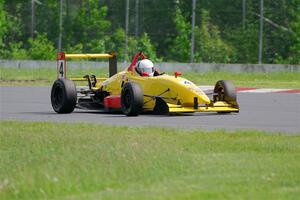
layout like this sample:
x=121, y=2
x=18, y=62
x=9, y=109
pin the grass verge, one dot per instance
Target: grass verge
x=87, y=161
x=284, y=80
x=46, y=76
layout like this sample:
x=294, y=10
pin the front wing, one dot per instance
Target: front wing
x=219, y=106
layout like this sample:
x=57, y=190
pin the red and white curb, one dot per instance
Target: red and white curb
x=209, y=88
x=267, y=90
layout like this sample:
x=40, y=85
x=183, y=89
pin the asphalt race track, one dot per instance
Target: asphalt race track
x=273, y=112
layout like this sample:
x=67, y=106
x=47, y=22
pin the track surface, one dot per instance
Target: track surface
x=269, y=112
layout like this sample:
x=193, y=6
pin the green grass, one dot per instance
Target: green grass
x=256, y=80
x=41, y=76
x=85, y=161
x=46, y=76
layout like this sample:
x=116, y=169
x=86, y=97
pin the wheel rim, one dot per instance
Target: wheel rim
x=219, y=89
x=221, y=93
x=225, y=91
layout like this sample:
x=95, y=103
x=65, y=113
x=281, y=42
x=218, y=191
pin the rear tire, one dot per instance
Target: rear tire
x=132, y=99
x=63, y=96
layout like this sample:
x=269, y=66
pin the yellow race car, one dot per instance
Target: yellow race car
x=132, y=93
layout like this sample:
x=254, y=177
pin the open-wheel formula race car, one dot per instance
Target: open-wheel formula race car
x=132, y=93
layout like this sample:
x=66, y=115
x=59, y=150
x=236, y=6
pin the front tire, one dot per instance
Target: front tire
x=225, y=91
x=132, y=99
x=161, y=107
x=63, y=96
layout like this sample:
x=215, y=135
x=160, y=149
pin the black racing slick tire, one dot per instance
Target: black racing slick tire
x=132, y=99
x=161, y=107
x=224, y=91
x=63, y=96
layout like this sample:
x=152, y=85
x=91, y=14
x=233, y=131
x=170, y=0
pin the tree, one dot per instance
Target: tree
x=41, y=48
x=147, y=47
x=294, y=49
x=90, y=26
x=3, y=24
x=18, y=52
x=9, y=30
x=144, y=44
x=180, y=48
x=245, y=42
x=209, y=45
x=98, y=26
x=294, y=56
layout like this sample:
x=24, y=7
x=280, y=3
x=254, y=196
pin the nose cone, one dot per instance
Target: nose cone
x=197, y=92
x=187, y=91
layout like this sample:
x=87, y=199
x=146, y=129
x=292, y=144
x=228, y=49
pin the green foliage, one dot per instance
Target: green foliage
x=292, y=38
x=41, y=48
x=96, y=46
x=78, y=48
x=164, y=29
x=147, y=47
x=245, y=42
x=209, y=46
x=8, y=29
x=117, y=43
x=142, y=44
x=294, y=56
x=181, y=46
x=3, y=23
x=91, y=26
x=18, y=52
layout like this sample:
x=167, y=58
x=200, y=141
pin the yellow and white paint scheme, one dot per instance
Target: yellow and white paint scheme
x=179, y=93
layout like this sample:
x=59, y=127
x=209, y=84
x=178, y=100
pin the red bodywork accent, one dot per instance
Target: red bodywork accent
x=61, y=56
x=112, y=102
x=177, y=74
x=145, y=74
x=135, y=60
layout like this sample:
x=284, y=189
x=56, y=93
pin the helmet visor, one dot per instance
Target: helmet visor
x=148, y=70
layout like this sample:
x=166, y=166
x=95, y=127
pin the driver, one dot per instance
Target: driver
x=145, y=67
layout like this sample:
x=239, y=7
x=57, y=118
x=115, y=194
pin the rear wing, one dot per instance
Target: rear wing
x=62, y=62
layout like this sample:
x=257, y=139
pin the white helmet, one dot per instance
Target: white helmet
x=146, y=66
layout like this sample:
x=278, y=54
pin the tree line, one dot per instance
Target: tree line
x=224, y=32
